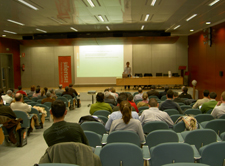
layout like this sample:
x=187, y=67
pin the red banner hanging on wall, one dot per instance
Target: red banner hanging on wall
x=64, y=64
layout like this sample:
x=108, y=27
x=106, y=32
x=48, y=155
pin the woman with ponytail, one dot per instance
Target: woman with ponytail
x=127, y=122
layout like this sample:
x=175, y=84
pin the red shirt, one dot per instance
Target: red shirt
x=134, y=105
x=22, y=92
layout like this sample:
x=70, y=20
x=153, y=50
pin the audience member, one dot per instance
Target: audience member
x=139, y=95
x=73, y=90
x=68, y=92
x=127, y=122
x=62, y=131
x=219, y=109
x=32, y=90
x=205, y=99
x=46, y=90
x=42, y=96
x=100, y=104
x=154, y=114
x=169, y=103
x=8, y=97
x=109, y=98
x=185, y=94
x=21, y=91
x=48, y=98
x=60, y=90
x=122, y=96
x=153, y=92
x=177, y=99
x=37, y=93
x=161, y=94
x=6, y=111
x=144, y=102
x=13, y=92
x=132, y=103
x=210, y=104
x=53, y=95
x=112, y=91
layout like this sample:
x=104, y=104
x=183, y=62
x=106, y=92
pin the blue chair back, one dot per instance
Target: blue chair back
x=185, y=164
x=102, y=112
x=163, y=98
x=27, y=100
x=171, y=111
x=56, y=164
x=97, y=127
x=34, y=99
x=193, y=112
x=94, y=139
x=218, y=125
x=49, y=104
x=23, y=115
x=32, y=103
x=185, y=107
x=47, y=109
x=154, y=125
x=175, y=117
x=103, y=118
x=222, y=117
x=39, y=101
x=141, y=109
x=203, y=117
x=63, y=99
x=35, y=111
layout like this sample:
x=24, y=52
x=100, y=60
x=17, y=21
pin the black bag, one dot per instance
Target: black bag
x=78, y=103
x=23, y=137
x=90, y=118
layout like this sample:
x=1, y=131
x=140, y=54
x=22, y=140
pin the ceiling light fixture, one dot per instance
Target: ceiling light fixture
x=52, y=18
x=41, y=30
x=101, y=18
x=73, y=29
x=3, y=35
x=177, y=27
x=214, y=2
x=29, y=5
x=91, y=3
x=9, y=32
x=108, y=28
x=15, y=22
x=208, y=22
x=191, y=30
x=146, y=17
x=194, y=15
x=153, y=2
x=142, y=27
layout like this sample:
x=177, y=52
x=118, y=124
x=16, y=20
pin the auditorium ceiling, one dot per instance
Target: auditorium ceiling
x=76, y=16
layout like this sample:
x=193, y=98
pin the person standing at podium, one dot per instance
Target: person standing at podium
x=127, y=70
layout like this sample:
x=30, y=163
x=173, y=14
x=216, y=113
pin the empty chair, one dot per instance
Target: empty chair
x=94, y=126
x=175, y=74
x=34, y=99
x=23, y=115
x=209, y=111
x=147, y=74
x=49, y=104
x=193, y=111
x=218, y=125
x=186, y=164
x=163, y=98
x=69, y=98
x=94, y=139
x=222, y=136
x=103, y=118
x=124, y=136
x=213, y=154
x=57, y=164
x=161, y=136
x=179, y=127
x=171, y=111
x=35, y=111
x=185, y=98
x=203, y=117
x=175, y=117
x=158, y=74
x=222, y=117
x=200, y=137
x=141, y=109
x=126, y=154
x=138, y=74
x=39, y=101
x=165, y=74
x=102, y=112
x=166, y=153
x=32, y=103
x=154, y=125
x=180, y=104
x=185, y=107
x=27, y=100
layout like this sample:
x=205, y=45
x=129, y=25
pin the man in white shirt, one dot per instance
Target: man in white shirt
x=154, y=114
x=139, y=95
x=205, y=99
x=127, y=70
x=8, y=97
x=219, y=109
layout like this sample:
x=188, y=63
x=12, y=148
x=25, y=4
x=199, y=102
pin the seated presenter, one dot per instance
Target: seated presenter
x=127, y=70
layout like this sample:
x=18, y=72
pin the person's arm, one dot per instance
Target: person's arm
x=214, y=112
x=195, y=105
x=108, y=123
x=109, y=107
x=141, y=133
x=142, y=117
x=168, y=120
x=91, y=110
x=179, y=109
x=112, y=128
x=83, y=136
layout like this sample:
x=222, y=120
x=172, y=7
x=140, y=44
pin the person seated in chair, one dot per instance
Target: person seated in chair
x=161, y=94
x=8, y=97
x=108, y=98
x=21, y=91
x=153, y=92
x=132, y=103
x=60, y=90
x=62, y=131
x=6, y=110
x=154, y=114
x=219, y=109
x=177, y=99
x=71, y=89
x=100, y=104
x=205, y=99
x=48, y=99
x=139, y=95
x=144, y=102
x=184, y=94
x=68, y=92
x=37, y=92
x=210, y=104
x=42, y=96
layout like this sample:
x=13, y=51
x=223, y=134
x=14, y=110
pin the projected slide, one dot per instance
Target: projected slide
x=100, y=61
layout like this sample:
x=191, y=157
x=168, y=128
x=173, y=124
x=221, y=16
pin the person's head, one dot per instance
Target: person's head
x=112, y=90
x=60, y=86
x=122, y=97
x=153, y=87
x=52, y=91
x=67, y=89
x=48, y=94
x=42, y=92
x=175, y=95
x=206, y=93
x=125, y=109
x=223, y=96
x=100, y=97
x=128, y=63
x=130, y=97
x=58, y=109
x=212, y=95
x=139, y=90
x=106, y=94
x=145, y=96
x=46, y=89
x=9, y=92
x=106, y=90
x=38, y=90
x=166, y=88
x=185, y=89
x=169, y=94
x=19, y=87
x=70, y=85
x=38, y=86
x=19, y=97
x=153, y=103
x=32, y=88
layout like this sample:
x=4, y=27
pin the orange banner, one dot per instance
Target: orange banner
x=64, y=70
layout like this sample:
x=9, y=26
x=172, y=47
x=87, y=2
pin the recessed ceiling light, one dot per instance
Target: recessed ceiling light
x=191, y=30
x=73, y=29
x=142, y=27
x=177, y=27
x=153, y=2
x=208, y=22
x=214, y=2
x=9, y=32
x=146, y=17
x=27, y=4
x=194, y=15
x=101, y=18
x=15, y=22
x=108, y=28
x=3, y=35
x=41, y=30
x=91, y=3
